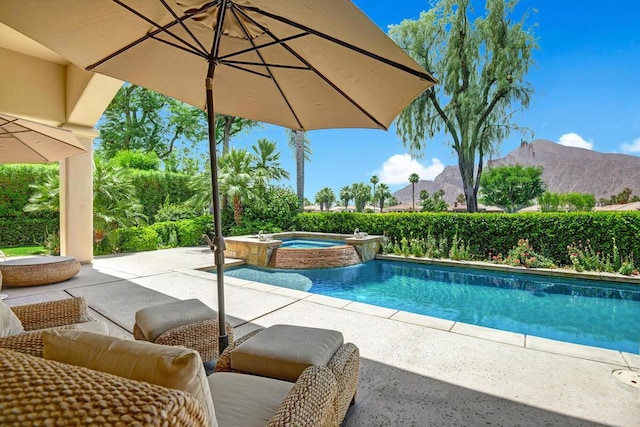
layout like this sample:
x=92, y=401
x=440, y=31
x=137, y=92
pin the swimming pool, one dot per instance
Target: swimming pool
x=592, y=313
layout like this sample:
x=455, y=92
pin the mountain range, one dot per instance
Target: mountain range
x=565, y=169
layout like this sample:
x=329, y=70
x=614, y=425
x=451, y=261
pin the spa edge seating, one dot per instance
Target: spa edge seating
x=108, y=380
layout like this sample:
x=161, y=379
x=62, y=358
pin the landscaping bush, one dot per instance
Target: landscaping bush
x=28, y=230
x=487, y=234
x=154, y=188
x=137, y=239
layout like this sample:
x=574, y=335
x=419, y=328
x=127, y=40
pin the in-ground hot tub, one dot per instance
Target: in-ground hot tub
x=303, y=250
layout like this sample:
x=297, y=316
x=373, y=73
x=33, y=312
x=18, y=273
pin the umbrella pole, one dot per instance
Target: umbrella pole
x=218, y=240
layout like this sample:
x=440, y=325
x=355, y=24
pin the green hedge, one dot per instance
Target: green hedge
x=486, y=233
x=27, y=231
x=14, y=187
x=186, y=232
x=154, y=187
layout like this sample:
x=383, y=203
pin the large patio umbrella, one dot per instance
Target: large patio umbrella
x=301, y=64
x=24, y=141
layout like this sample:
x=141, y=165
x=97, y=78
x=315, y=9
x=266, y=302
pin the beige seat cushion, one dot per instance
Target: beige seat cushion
x=158, y=319
x=9, y=322
x=246, y=400
x=284, y=351
x=173, y=367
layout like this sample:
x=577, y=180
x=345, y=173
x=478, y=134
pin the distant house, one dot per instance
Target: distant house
x=401, y=208
x=462, y=207
x=635, y=206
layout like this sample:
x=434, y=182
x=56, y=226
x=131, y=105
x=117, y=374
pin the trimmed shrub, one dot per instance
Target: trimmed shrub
x=488, y=234
x=28, y=230
x=137, y=239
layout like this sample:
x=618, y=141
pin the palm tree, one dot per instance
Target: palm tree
x=374, y=181
x=301, y=147
x=345, y=195
x=325, y=198
x=114, y=198
x=267, y=161
x=382, y=193
x=413, y=178
x=238, y=180
x=361, y=194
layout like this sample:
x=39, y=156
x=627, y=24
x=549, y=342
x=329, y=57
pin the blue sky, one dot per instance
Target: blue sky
x=587, y=94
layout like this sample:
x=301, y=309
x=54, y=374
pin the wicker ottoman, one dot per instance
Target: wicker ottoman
x=189, y=323
x=38, y=270
x=284, y=351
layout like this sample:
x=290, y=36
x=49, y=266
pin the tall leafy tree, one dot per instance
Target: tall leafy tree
x=346, y=194
x=482, y=64
x=374, y=180
x=413, y=179
x=433, y=202
x=142, y=120
x=228, y=126
x=301, y=147
x=382, y=193
x=325, y=198
x=361, y=193
x=511, y=187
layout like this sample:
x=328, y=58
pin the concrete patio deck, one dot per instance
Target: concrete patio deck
x=415, y=370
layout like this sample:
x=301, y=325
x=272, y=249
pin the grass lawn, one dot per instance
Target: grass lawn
x=23, y=250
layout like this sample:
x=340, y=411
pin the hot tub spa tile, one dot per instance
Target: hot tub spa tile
x=373, y=310
x=422, y=320
x=489, y=334
x=576, y=350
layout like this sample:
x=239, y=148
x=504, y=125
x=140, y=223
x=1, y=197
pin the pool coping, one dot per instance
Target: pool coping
x=581, y=351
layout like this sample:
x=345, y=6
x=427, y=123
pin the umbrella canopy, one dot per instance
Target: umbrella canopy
x=301, y=64
x=24, y=141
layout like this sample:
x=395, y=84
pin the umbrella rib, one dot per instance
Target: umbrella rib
x=234, y=11
x=372, y=55
x=177, y=46
x=184, y=27
x=262, y=46
x=334, y=86
x=152, y=34
x=247, y=70
x=257, y=64
x=318, y=73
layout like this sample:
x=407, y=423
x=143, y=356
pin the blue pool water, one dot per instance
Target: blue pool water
x=584, y=312
x=309, y=243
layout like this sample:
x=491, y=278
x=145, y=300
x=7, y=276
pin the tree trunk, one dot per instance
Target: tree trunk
x=466, y=167
x=300, y=166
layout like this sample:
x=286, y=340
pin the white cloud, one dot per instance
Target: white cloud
x=575, y=140
x=633, y=147
x=397, y=168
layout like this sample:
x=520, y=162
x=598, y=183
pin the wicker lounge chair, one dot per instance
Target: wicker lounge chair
x=304, y=345
x=96, y=397
x=70, y=313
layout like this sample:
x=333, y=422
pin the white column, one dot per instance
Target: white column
x=76, y=199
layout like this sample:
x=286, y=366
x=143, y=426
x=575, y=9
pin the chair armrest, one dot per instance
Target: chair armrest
x=28, y=343
x=44, y=392
x=345, y=366
x=50, y=314
x=224, y=361
x=193, y=336
x=310, y=401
